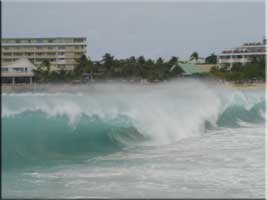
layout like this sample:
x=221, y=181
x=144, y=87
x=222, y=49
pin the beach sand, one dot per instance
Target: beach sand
x=246, y=85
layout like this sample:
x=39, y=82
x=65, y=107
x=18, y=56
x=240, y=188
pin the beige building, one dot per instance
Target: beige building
x=242, y=54
x=61, y=52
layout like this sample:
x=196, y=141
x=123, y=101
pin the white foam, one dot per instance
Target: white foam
x=165, y=112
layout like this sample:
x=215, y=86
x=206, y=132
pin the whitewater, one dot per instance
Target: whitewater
x=176, y=139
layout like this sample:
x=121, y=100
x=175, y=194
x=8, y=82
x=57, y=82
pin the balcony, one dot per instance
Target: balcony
x=233, y=60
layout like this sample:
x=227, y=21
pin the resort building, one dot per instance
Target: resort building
x=61, y=52
x=188, y=69
x=241, y=55
x=21, y=71
x=194, y=61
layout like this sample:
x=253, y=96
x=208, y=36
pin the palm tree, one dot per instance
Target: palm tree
x=194, y=56
x=108, y=60
x=82, y=64
x=45, y=66
x=159, y=61
x=173, y=60
x=212, y=59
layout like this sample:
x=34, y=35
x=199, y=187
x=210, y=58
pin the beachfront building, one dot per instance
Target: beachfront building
x=188, y=69
x=61, y=52
x=195, y=61
x=241, y=55
x=20, y=71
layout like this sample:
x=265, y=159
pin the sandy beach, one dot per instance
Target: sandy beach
x=246, y=85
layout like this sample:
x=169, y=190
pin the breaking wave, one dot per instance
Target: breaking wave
x=101, y=118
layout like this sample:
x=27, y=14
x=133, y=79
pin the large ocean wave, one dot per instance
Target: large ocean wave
x=101, y=118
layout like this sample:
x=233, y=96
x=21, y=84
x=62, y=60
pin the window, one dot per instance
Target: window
x=78, y=40
x=50, y=47
x=61, y=47
x=51, y=53
x=7, y=54
x=60, y=53
x=18, y=69
x=4, y=69
x=18, y=54
x=39, y=60
x=17, y=41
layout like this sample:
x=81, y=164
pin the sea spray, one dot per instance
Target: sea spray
x=89, y=120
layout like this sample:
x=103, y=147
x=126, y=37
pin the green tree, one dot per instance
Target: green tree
x=194, y=55
x=90, y=68
x=212, y=59
x=81, y=66
x=43, y=71
x=159, y=61
x=46, y=66
x=173, y=60
x=108, y=62
x=132, y=60
x=141, y=60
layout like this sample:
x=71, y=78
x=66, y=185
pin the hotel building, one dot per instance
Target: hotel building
x=242, y=54
x=61, y=52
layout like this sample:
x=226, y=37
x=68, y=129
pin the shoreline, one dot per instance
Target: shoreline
x=246, y=85
x=38, y=87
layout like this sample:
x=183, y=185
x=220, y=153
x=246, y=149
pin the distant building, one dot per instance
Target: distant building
x=197, y=61
x=61, y=52
x=242, y=54
x=194, y=61
x=20, y=71
x=188, y=69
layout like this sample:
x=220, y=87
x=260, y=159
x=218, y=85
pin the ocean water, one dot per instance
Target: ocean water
x=179, y=139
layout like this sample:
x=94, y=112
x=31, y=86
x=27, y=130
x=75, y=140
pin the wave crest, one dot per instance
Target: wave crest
x=105, y=118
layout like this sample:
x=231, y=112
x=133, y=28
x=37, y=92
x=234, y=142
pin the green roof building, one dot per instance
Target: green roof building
x=190, y=69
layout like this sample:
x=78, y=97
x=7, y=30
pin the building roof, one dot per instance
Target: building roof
x=206, y=67
x=24, y=62
x=190, y=68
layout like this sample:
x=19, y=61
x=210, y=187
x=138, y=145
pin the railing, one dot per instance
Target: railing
x=18, y=87
x=233, y=60
x=16, y=74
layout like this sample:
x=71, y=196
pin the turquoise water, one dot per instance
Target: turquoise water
x=126, y=140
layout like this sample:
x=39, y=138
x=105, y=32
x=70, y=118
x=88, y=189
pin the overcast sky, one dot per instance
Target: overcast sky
x=140, y=28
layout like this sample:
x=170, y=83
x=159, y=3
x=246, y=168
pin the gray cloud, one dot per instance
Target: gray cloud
x=150, y=29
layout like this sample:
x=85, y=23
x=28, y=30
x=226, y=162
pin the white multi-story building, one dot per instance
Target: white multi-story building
x=61, y=52
x=242, y=54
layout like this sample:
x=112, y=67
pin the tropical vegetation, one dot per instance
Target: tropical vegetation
x=137, y=68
